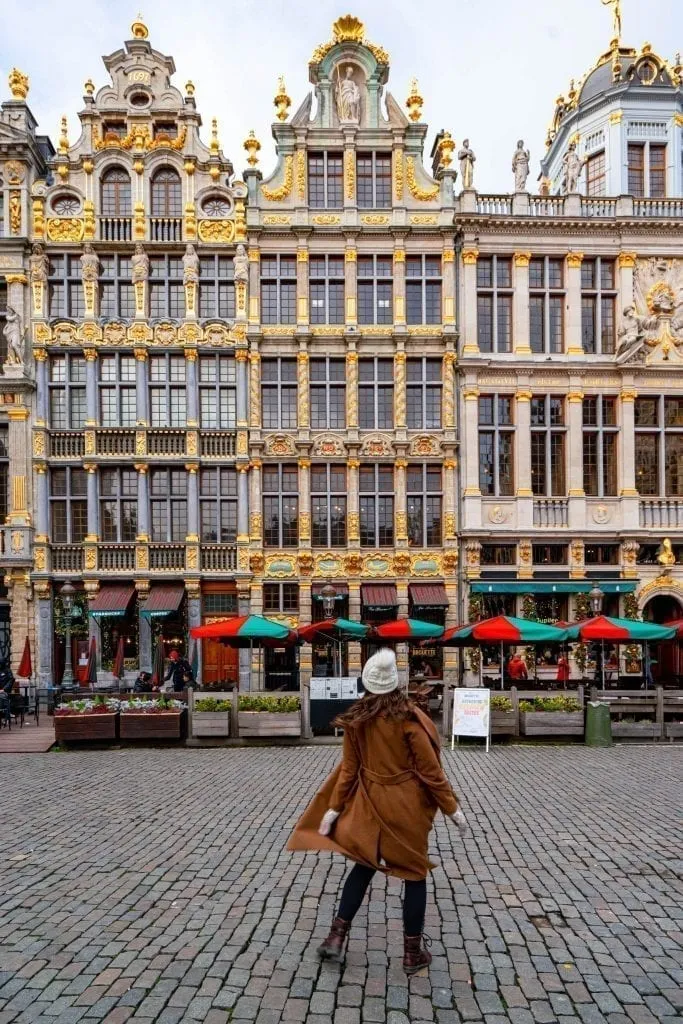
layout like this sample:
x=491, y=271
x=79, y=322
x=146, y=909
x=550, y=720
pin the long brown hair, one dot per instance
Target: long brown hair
x=395, y=705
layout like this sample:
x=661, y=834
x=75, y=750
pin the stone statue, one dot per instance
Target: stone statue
x=14, y=336
x=632, y=332
x=466, y=157
x=190, y=265
x=520, y=166
x=90, y=264
x=665, y=555
x=39, y=264
x=140, y=263
x=348, y=97
x=572, y=165
x=616, y=17
x=241, y=263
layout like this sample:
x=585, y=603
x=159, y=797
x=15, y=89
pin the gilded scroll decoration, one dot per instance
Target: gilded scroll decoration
x=276, y=195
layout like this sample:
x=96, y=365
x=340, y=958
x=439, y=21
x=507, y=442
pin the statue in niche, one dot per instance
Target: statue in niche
x=90, y=264
x=190, y=265
x=348, y=97
x=39, y=264
x=520, y=166
x=140, y=263
x=466, y=157
x=241, y=264
x=631, y=332
x=13, y=333
x=572, y=165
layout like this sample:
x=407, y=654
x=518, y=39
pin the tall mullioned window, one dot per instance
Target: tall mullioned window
x=117, y=297
x=280, y=506
x=117, y=390
x=325, y=180
x=546, y=304
x=216, y=287
x=494, y=303
x=376, y=394
x=118, y=504
x=66, y=386
x=328, y=506
x=423, y=502
x=659, y=446
x=375, y=290
x=168, y=504
x=600, y=433
x=647, y=169
x=423, y=289
x=278, y=394
x=68, y=505
x=598, y=302
x=167, y=391
x=376, y=487
x=278, y=289
x=548, y=432
x=328, y=394
x=496, y=445
x=64, y=288
x=218, y=505
x=596, y=180
x=166, y=291
x=326, y=289
x=423, y=394
x=281, y=597
x=373, y=176
x=116, y=204
x=167, y=193
x=217, y=392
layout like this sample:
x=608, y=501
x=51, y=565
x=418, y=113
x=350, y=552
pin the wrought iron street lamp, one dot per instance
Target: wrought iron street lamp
x=67, y=593
x=596, y=597
x=328, y=595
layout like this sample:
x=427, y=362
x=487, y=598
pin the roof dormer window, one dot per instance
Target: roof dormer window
x=165, y=129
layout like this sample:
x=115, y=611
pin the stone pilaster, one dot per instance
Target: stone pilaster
x=304, y=503
x=520, y=306
x=45, y=634
x=254, y=284
x=352, y=390
x=302, y=287
x=400, y=390
x=91, y=387
x=354, y=647
x=400, y=509
x=350, y=283
x=244, y=608
x=243, y=502
x=40, y=356
x=449, y=486
x=93, y=502
x=471, y=440
x=254, y=388
x=448, y=286
x=627, y=264
x=143, y=502
x=192, y=391
x=448, y=396
x=630, y=504
x=577, y=495
x=141, y=396
x=255, y=513
x=353, y=504
x=242, y=397
x=573, y=339
x=399, y=285
x=145, y=656
x=303, y=384
x=470, y=255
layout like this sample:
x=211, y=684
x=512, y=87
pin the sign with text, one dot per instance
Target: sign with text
x=471, y=714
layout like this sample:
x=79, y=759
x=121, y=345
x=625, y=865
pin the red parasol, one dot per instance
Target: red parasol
x=25, y=669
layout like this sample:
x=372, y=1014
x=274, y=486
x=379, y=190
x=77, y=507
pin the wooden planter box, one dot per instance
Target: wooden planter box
x=636, y=730
x=269, y=723
x=162, y=725
x=210, y=723
x=503, y=723
x=551, y=723
x=674, y=730
x=70, y=728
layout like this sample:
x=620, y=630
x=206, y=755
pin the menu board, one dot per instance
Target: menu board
x=471, y=714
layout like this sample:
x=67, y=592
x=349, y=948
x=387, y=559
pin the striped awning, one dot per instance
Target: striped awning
x=428, y=595
x=112, y=601
x=164, y=599
x=379, y=595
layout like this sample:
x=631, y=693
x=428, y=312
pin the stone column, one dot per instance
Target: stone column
x=304, y=503
x=244, y=608
x=242, y=398
x=191, y=387
x=630, y=503
x=520, y=304
x=354, y=648
x=470, y=255
x=449, y=486
x=192, y=502
x=448, y=398
x=627, y=263
x=401, y=648
x=350, y=283
x=303, y=390
x=574, y=343
x=448, y=287
x=143, y=502
x=145, y=655
x=353, y=504
x=91, y=387
x=93, y=503
x=45, y=635
x=470, y=395
x=254, y=388
x=42, y=511
x=399, y=284
x=194, y=618
x=243, y=502
x=305, y=660
x=255, y=513
x=302, y=290
x=524, y=489
x=141, y=396
x=352, y=390
x=401, y=504
x=400, y=390
x=577, y=495
x=40, y=356
x=254, y=284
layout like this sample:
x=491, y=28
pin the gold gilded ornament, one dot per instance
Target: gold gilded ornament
x=282, y=101
x=422, y=194
x=414, y=102
x=252, y=146
x=222, y=231
x=301, y=173
x=350, y=173
x=18, y=84
x=276, y=195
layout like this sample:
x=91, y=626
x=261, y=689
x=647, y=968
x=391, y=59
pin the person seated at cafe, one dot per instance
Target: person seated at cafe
x=517, y=668
x=143, y=683
x=6, y=678
x=178, y=670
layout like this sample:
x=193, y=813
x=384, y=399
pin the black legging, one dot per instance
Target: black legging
x=414, y=899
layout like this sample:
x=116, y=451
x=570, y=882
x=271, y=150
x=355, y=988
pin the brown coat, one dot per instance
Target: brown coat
x=388, y=788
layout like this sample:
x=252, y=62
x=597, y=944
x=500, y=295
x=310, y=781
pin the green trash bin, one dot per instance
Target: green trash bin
x=598, y=725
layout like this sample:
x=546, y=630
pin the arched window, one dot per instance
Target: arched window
x=116, y=193
x=167, y=197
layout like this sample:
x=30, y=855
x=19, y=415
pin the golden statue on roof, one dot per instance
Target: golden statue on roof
x=616, y=18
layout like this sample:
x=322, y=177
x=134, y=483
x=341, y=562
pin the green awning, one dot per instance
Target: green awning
x=552, y=586
x=164, y=599
x=112, y=601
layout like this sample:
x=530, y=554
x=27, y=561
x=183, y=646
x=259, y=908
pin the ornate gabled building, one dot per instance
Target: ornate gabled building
x=352, y=340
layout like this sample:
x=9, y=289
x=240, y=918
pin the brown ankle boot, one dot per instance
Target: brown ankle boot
x=333, y=946
x=415, y=956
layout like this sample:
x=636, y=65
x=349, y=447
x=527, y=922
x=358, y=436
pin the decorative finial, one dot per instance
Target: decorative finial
x=348, y=29
x=214, y=147
x=446, y=147
x=18, y=84
x=414, y=102
x=189, y=88
x=139, y=29
x=252, y=146
x=63, y=137
x=89, y=87
x=282, y=100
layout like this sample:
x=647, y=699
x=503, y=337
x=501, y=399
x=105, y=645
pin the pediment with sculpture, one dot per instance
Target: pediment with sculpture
x=651, y=328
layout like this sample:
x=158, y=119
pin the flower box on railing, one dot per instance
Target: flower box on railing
x=646, y=729
x=551, y=716
x=86, y=720
x=143, y=719
x=266, y=716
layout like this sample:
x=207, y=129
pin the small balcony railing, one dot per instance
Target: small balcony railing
x=165, y=229
x=116, y=557
x=167, y=556
x=165, y=442
x=68, y=444
x=67, y=558
x=116, y=229
x=218, y=558
x=596, y=207
x=664, y=514
x=551, y=513
x=498, y=206
x=658, y=208
x=546, y=206
x=217, y=444
x=115, y=442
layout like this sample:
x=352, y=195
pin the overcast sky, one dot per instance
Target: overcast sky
x=487, y=69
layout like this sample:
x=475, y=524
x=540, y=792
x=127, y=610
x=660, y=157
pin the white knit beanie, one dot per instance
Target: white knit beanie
x=380, y=674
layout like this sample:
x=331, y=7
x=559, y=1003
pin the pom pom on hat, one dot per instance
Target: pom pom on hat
x=380, y=674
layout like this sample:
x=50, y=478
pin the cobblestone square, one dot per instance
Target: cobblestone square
x=153, y=885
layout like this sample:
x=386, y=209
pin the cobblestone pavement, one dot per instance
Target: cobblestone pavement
x=152, y=885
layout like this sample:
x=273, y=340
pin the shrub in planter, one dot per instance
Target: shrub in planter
x=211, y=717
x=159, y=718
x=269, y=716
x=551, y=716
x=630, y=727
x=86, y=720
x=503, y=716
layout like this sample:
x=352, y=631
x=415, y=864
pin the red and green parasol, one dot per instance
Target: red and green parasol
x=603, y=627
x=336, y=629
x=408, y=629
x=502, y=629
x=245, y=631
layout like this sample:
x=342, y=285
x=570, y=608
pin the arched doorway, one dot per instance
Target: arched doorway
x=666, y=659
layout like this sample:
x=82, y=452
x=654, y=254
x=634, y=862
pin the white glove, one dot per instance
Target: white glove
x=329, y=818
x=460, y=820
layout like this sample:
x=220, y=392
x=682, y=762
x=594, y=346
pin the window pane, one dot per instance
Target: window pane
x=504, y=306
x=674, y=465
x=609, y=464
x=536, y=323
x=590, y=463
x=538, y=463
x=647, y=463
x=486, y=478
x=505, y=463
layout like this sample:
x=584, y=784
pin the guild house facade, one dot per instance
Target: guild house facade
x=348, y=370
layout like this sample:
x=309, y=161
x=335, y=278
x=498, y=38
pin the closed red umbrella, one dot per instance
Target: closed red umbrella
x=119, y=666
x=92, y=664
x=25, y=669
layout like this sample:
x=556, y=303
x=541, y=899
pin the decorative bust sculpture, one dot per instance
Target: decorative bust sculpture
x=466, y=157
x=39, y=264
x=348, y=97
x=665, y=554
x=90, y=264
x=190, y=265
x=520, y=166
x=140, y=263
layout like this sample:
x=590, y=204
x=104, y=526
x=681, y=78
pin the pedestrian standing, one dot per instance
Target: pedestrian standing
x=378, y=806
x=179, y=671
